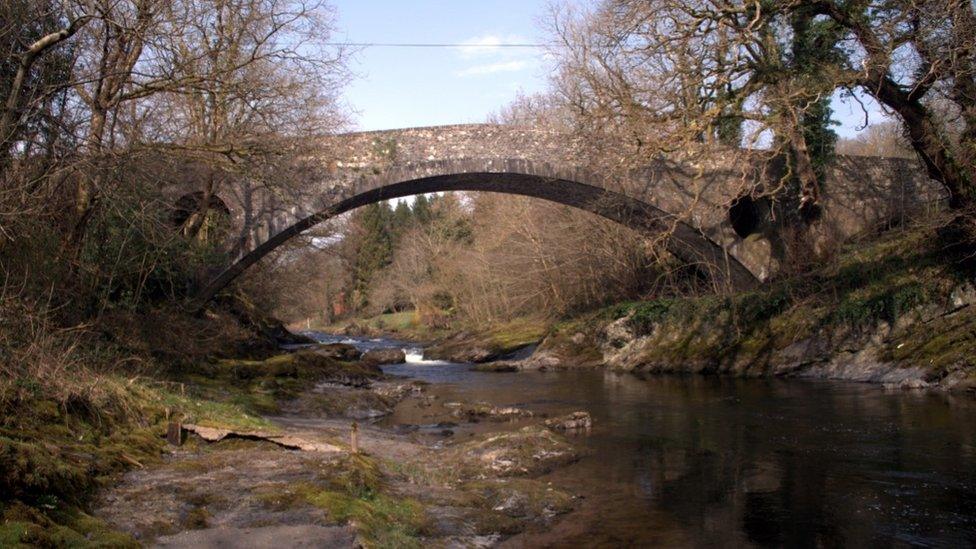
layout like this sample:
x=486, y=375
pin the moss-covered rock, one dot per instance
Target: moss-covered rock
x=527, y=499
x=488, y=344
x=306, y=365
x=892, y=311
x=529, y=451
x=353, y=491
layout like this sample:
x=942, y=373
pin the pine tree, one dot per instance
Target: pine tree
x=402, y=218
x=421, y=209
x=375, y=247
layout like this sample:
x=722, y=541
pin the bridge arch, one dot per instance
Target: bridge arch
x=570, y=187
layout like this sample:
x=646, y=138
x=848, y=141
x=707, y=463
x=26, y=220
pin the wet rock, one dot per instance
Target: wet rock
x=356, y=412
x=338, y=351
x=377, y=399
x=399, y=391
x=530, y=451
x=543, y=361
x=211, y=434
x=908, y=385
x=384, y=356
x=483, y=410
x=576, y=421
x=463, y=355
x=304, y=364
x=499, y=366
x=270, y=537
x=405, y=428
x=525, y=499
x=340, y=401
x=354, y=329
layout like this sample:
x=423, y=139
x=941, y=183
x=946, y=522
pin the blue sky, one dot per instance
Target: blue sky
x=405, y=87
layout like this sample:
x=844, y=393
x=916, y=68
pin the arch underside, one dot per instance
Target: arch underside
x=684, y=242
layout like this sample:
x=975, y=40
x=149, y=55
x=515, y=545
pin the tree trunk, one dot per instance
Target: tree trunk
x=927, y=141
x=86, y=191
x=195, y=221
x=809, y=208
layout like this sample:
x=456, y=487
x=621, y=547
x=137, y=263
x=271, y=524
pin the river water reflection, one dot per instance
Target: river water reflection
x=693, y=461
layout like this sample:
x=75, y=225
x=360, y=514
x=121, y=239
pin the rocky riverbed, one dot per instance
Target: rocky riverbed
x=465, y=475
x=452, y=455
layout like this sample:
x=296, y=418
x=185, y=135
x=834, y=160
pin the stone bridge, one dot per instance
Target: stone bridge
x=705, y=209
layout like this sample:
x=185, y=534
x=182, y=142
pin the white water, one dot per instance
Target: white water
x=414, y=354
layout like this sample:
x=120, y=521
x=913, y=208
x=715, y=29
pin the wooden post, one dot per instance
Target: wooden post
x=354, y=438
x=174, y=433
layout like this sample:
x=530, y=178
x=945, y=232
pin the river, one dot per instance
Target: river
x=693, y=461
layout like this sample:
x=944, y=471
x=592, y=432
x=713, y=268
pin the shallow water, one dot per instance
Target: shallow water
x=691, y=461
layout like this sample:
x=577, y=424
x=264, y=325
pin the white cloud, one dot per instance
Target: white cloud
x=493, y=68
x=489, y=45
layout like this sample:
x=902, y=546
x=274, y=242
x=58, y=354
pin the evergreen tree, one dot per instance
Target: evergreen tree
x=402, y=218
x=375, y=246
x=421, y=209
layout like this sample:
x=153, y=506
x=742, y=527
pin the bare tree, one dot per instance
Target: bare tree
x=884, y=139
x=263, y=89
x=681, y=64
x=116, y=38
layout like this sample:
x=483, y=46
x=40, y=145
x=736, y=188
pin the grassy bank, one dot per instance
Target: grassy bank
x=80, y=406
x=56, y=454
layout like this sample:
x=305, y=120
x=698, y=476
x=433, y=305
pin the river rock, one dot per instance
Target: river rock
x=909, y=384
x=212, y=434
x=530, y=451
x=464, y=355
x=522, y=498
x=499, y=366
x=338, y=351
x=541, y=361
x=385, y=356
x=483, y=410
x=963, y=295
x=576, y=421
x=399, y=391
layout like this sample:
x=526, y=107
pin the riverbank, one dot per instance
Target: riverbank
x=896, y=310
x=268, y=455
x=80, y=407
x=298, y=476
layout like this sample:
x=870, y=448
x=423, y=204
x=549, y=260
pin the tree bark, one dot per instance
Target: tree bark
x=87, y=187
x=927, y=141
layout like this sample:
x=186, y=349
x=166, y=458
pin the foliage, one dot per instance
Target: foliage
x=375, y=246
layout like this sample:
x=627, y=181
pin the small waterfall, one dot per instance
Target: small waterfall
x=415, y=355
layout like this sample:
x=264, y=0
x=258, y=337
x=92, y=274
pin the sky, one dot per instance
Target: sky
x=408, y=87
